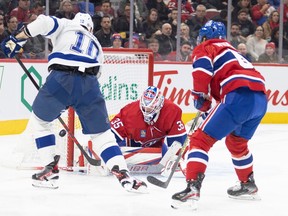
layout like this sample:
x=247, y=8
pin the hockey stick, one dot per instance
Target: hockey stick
x=165, y=184
x=155, y=168
x=89, y=159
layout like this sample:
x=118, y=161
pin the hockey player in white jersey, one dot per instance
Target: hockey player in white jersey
x=73, y=64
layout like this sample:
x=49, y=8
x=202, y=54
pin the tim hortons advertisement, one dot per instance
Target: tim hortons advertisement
x=175, y=80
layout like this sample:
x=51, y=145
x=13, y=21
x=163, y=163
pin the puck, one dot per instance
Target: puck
x=62, y=133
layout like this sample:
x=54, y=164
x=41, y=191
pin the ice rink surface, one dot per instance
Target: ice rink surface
x=82, y=195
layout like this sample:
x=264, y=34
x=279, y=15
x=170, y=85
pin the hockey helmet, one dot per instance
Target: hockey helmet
x=85, y=20
x=151, y=103
x=212, y=30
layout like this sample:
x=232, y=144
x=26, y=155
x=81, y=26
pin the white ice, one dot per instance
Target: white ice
x=82, y=195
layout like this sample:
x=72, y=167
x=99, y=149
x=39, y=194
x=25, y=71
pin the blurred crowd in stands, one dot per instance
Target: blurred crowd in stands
x=254, y=29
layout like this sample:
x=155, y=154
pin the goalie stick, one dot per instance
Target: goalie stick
x=164, y=184
x=92, y=161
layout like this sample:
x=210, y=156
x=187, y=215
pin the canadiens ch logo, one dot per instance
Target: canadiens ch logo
x=143, y=133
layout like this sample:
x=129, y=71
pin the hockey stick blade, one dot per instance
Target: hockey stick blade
x=157, y=182
x=89, y=159
x=165, y=184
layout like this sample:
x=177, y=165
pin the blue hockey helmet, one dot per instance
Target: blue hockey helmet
x=151, y=102
x=212, y=30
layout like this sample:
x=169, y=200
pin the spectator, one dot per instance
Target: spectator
x=12, y=24
x=261, y=11
x=269, y=55
x=167, y=43
x=135, y=43
x=21, y=12
x=246, y=26
x=270, y=24
x=2, y=28
x=153, y=44
x=275, y=40
x=236, y=37
x=285, y=14
x=104, y=10
x=240, y=5
x=80, y=6
x=186, y=8
x=122, y=24
x=37, y=8
x=5, y=6
x=218, y=5
x=222, y=17
x=173, y=20
x=105, y=33
x=34, y=48
x=242, y=49
x=274, y=3
x=140, y=9
x=151, y=24
x=196, y=22
x=185, y=35
x=116, y=41
x=2, y=33
x=256, y=43
x=185, y=53
x=65, y=10
x=161, y=7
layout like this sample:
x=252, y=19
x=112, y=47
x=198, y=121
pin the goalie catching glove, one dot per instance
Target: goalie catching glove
x=12, y=46
x=202, y=101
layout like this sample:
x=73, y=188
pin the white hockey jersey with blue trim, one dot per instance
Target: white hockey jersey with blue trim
x=72, y=44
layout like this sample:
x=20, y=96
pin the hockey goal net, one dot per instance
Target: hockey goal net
x=124, y=76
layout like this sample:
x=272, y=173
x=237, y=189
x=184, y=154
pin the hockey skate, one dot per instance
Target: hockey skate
x=189, y=196
x=244, y=190
x=129, y=183
x=48, y=177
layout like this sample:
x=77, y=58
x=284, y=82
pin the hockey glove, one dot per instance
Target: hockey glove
x=202, y=101
x=12, y=46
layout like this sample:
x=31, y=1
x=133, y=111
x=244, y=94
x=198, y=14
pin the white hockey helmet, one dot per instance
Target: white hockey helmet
x=85, y=20
x=151, y=102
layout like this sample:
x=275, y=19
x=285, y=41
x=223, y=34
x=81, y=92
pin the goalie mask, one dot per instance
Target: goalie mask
x=84, y=20
x=151, y=103
x=212, y=30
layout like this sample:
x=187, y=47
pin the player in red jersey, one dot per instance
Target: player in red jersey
x=152, y=121
x=221, y=73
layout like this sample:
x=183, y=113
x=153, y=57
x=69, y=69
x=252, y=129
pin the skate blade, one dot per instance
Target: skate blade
x=45, y=184
x=189, y=204
x=141, y=190
x=252, y=197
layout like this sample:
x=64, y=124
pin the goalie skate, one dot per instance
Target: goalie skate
x=48, y=177
x=244, y=190
x=190, y=196
x=129, y=183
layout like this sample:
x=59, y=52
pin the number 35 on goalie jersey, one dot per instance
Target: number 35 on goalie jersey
x=131, y=130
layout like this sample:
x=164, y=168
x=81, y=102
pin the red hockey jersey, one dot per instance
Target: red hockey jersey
x=218, y=69
x=129, y=124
